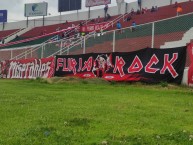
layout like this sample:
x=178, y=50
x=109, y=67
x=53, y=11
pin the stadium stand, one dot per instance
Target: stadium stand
x=165, y=30
x=39, y=35
x=6, y=33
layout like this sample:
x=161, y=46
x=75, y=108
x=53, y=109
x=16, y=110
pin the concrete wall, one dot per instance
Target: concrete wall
x=185, y=77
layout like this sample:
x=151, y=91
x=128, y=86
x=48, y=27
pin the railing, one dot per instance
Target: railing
x=75, y=41
x=82, y=40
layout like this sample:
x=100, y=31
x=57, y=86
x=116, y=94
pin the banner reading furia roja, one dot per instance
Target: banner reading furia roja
x=27, y=68
x=147, y=65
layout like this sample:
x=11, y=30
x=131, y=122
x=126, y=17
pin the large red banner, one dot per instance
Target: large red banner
x=28, y=68
x=147, y=65
x=190, y=70
x=94, y=27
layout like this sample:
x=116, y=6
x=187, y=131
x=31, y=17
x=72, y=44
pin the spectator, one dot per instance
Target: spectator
x=138, y=12
x=108, y=17
x=128, y=18
x=3, y=40
x=132, y=11
x=179, y=10
x=139, y=4
x=106, y=10
x=93, y=20
x=156, y=8
x=98, y=19
x=16, y=37
x=119, y=27
x=144, y=11
x=176, y=4
x=153, y=9
x=80, y=24
x=133, y=26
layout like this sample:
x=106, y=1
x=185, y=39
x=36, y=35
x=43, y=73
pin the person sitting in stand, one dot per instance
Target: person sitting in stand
x=98, y=19
x=176, y=4
x=108, y=17
x=128, y=18
x=156, y=8
x=143, y=11
x=133, y=26
x=146, y=10
x=153, y=9
x=93, y=20
x=65, y=22
x=1, y=40
x=132, y=11
x=16, y=37
x=80, y=24
x=119, y=27
x=138, y=12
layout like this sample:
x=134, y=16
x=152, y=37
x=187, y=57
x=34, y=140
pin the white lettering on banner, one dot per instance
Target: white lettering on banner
x=90, y=28
x=1, y=14
x=29, y=70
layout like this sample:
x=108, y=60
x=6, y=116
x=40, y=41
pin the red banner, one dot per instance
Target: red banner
x=190, y=71
x=94, y=27
x=147, y=65
x=28, y=68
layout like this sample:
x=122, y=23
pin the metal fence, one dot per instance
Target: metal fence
x=153, y=34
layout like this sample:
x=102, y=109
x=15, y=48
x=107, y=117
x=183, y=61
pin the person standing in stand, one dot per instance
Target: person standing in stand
x=179, y=10
x=139, y=4
x=106, y=10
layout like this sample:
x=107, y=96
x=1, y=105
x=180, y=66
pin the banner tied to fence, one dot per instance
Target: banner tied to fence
x=146, y=65
x=27, y=68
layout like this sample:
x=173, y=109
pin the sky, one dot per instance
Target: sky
x=16, y=8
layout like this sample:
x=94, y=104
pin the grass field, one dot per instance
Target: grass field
x=94, y=112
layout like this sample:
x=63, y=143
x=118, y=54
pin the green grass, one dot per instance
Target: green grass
x=70, y=111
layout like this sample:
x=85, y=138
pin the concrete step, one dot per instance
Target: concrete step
x=18, y=33
x=185, y=39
